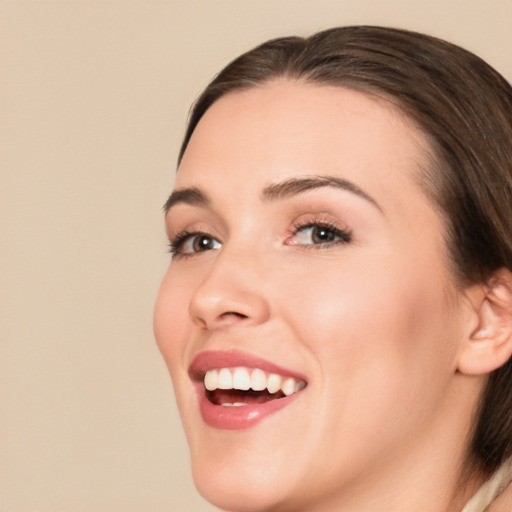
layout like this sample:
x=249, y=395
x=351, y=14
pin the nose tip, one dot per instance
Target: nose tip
x=220, y=304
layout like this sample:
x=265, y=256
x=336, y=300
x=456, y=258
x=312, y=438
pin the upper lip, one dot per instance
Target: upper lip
x=210, y=359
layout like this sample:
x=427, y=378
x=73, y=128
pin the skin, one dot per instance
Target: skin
x=377, y=325
x=504, y=501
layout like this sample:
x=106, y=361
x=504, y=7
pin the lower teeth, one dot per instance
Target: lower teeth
x=237, y=398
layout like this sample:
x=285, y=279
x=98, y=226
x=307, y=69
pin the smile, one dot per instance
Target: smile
x=236, y=390
x=243, y=386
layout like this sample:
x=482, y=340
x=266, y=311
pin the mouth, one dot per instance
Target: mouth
x=243, y=386
x=236, y=390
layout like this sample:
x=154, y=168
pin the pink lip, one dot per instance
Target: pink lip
x=208, y=360
x=235, y=418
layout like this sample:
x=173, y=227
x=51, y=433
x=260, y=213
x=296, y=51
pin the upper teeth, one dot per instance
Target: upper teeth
x=247, y=378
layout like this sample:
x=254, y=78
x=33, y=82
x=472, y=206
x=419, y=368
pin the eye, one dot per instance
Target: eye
x=319, y=233
x=186, y=243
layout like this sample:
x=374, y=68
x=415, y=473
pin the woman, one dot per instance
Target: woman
x=337, y=314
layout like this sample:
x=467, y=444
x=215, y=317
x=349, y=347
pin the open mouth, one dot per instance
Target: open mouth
x=236, y=390
x=242, y=386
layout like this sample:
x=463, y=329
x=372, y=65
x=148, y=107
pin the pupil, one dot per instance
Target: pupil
x=202, y=243
x=323, y=235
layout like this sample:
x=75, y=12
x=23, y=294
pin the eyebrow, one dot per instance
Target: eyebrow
x=191, y=195
x=274, y=192
x=294, y=186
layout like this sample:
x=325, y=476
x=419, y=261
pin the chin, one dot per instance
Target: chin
x=242, y=475
x=249, y=458
x=236, y=491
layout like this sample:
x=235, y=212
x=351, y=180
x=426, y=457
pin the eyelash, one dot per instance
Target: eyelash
x=344, y=236
x=176, y=243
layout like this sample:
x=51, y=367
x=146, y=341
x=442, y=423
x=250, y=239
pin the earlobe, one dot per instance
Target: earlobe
x=489, y=344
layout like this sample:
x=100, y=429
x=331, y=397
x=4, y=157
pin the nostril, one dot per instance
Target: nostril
x=215, y=305
x=219, y=321
x=233, y=315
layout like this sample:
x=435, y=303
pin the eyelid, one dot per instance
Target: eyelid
x=176, y=242
x=192, y=218
x=311, y=221
x=342, y=232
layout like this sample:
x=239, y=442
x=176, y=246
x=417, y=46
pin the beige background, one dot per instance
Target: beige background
x=94, y=97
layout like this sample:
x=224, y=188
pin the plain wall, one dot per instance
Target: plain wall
x=93, y=101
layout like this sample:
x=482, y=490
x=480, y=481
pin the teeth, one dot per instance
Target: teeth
x=245, y=378
x=258, y=380
x=225, y=380
x=288, y=387
x=211, y=380
x=241, y=379
x=274, y=383
x=299, y=385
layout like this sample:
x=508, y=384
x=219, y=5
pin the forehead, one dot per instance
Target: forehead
x=287, y=128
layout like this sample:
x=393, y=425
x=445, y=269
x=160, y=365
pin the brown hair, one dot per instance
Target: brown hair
x=465, y=108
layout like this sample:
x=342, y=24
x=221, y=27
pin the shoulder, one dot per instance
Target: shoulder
x=496, y=494
x=503, y=503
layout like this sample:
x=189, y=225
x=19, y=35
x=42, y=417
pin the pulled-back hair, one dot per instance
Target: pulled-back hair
x=465, y=108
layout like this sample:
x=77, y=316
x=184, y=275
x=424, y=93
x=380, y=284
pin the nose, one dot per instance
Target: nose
x=231, y=294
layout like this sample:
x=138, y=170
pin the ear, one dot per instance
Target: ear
x=489, y=344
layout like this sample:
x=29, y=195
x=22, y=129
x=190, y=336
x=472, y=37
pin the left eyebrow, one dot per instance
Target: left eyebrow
x=294, y=186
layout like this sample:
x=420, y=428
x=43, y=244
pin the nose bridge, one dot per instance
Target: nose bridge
x=232, y=291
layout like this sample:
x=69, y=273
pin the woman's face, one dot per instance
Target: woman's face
x=306, y=258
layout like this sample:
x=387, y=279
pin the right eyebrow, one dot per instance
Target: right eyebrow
x=190, y=195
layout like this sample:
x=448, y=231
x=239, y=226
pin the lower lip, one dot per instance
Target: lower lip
x=238, y=417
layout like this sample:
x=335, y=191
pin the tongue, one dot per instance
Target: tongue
x=231, y=396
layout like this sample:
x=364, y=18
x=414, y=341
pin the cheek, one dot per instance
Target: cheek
x=377, y=332
x=171, y=319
